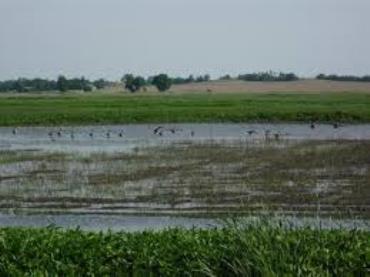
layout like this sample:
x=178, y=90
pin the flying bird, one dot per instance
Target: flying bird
x=157, y=130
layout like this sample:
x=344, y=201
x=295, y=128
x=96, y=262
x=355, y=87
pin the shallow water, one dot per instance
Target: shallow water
x=107, y=138
x=140, y=223
x=179, y=171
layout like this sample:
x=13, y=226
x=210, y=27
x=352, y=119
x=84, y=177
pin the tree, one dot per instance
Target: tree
x=133, y=83
x=100, y=83
x=190, y=79
x=88, y=88
x=162, y=82
x=62, y=83
x=199, y=79
x=225, y=77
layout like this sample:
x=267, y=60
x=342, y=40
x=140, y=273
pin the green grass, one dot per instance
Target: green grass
x=253, y=250
x=201, y=107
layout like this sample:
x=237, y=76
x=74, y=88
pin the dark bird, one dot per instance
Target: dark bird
x=174, y=130
x=251, y=132
x=108, y=134
x=313, y=125
x=50, y=134
x=59, y=133
x=192, y=133
x=156, y=130
x=277, y=136
x=91, y=134
x=15, y=131
x=120, y=134
x=267, y=134
x=336, y=125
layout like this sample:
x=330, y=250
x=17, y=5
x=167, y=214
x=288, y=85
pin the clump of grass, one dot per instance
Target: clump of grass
x=255, y=249
x=14, y=156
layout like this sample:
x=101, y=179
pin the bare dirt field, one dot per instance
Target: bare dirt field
x=295, y=86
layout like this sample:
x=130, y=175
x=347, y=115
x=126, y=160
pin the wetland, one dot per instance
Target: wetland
x=193, y=170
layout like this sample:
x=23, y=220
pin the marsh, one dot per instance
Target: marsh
x=220, y=169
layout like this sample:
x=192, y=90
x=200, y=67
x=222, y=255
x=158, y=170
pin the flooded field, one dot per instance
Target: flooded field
x=197, y=170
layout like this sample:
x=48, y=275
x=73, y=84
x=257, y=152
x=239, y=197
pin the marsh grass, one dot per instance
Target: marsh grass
x=11, y=156
x=258, y=248
x=187, y=177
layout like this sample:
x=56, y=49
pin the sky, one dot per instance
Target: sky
x=108, y=38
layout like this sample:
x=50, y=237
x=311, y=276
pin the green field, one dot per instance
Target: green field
x=195, y=107
x=251, y=250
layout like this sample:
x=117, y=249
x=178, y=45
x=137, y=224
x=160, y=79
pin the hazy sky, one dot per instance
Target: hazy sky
x=107, y=38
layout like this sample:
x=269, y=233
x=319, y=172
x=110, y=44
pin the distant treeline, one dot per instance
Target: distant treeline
x=191, y=79
x=347, y=78
x=162, y=81
x=61, y=84
x=268, y=77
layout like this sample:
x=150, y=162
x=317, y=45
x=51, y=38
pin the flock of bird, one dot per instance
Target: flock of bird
x=268, y=134
x=160, y=131
x=52, y=134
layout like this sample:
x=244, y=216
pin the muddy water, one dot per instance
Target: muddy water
x=127, y=137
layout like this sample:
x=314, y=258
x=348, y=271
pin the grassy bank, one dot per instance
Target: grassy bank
x=201, y=107
x=255, y=250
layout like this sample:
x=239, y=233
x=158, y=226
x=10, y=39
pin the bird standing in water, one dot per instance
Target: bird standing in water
x=267, y=134
x=251, y=132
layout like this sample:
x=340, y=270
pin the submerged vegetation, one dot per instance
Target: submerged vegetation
x=253, y=249
x=153, y=108
x=309, y=177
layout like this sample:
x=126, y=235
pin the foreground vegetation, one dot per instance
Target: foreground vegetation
x=251, y=250
x=153, y=108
